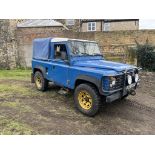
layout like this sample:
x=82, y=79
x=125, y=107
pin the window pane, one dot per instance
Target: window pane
x=93, y=24
x=93, y=28
x=89, y=24
x=84, y=48
x=58, y=49
x=89, y=28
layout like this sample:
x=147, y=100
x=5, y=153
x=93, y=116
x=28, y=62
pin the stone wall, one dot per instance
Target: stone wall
x=75, y=27
x=123, y=25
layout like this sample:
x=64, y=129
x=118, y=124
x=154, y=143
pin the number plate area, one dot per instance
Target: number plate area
x=131, y=86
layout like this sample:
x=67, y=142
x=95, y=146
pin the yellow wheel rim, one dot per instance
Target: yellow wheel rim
x=38, y=82
x=85, y=100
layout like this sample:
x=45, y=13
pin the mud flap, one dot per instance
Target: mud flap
x=32, y=78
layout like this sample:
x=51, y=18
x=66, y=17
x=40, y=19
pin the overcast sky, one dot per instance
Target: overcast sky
x=147, y=24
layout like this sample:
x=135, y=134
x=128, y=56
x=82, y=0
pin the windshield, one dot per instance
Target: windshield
x=84, y=48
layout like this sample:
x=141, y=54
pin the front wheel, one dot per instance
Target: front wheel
x=87, y=99
x=125, y=96
x=40, y=82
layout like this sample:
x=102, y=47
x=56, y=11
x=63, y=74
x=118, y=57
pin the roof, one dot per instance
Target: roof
x=67, y=39
x=40, y=23
x=119, y=20
x=108, y=20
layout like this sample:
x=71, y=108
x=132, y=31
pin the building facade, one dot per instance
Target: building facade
x=88, y=25
x=109, y=25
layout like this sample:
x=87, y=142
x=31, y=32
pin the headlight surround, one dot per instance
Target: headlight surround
x=136, y=77
x=108, y=82
x=105, y=83
x=129, y=77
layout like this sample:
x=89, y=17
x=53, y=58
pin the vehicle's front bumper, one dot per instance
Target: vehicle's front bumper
x=113, y=97
x=119, y=94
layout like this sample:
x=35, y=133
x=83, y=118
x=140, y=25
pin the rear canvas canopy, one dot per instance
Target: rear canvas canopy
x=41, y=48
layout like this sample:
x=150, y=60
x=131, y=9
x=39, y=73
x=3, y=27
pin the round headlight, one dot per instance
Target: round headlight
x=113, y=81
x=136, y=77
x=129, y=79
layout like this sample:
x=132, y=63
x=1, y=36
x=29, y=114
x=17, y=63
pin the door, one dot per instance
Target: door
x=60, y=65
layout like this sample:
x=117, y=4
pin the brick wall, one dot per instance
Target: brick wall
x=113, y=44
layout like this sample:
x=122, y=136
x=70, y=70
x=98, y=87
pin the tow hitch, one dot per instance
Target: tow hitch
x=132, y=92
x=131, y=89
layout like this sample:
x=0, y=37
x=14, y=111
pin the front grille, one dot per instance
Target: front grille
x=118, y=85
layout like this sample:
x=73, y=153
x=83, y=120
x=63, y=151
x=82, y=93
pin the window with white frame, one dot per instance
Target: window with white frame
x=70, y=21
x=91, y=26
x=106, y=26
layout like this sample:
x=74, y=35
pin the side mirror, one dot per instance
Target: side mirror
x=63, y=55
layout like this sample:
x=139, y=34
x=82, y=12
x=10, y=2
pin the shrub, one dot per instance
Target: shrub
x=146, y=56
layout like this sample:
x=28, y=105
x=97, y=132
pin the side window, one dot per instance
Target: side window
x=59, y=50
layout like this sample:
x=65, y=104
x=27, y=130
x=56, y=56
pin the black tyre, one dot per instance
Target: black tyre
x=40, y=82
x=87, y=99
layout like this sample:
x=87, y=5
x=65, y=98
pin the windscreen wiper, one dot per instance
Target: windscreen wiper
x=97, y=54
x=84, y=54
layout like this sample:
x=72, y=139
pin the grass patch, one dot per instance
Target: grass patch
x=8, y=90
x=12, y=127
x=18, y=106
x=10, y=104
x=14, y=88
x=17, y=74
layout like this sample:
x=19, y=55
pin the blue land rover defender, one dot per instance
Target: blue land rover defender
x=78, y=65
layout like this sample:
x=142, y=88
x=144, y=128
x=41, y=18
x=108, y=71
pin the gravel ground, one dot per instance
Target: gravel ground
x=24, y=110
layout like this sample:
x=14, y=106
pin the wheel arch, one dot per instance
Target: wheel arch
x=88, y=79
x=40, y=69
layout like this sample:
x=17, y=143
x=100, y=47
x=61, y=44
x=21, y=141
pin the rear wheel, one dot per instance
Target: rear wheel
x=87, y=99
x=40, y=82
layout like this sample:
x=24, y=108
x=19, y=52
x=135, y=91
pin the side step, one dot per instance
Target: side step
x=63, y=91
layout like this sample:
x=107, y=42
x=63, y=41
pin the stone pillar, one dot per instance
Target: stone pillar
x=7, y=45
